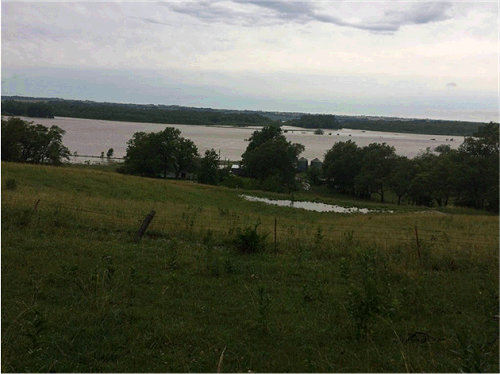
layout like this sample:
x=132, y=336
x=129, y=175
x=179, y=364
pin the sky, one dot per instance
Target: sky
x=437, y=60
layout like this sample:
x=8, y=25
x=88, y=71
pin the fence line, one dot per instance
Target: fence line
x=194, y=220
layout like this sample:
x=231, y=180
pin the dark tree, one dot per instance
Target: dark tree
x=341, y=166
x=153, y=154
x=164, y=146
x=13, y=131
x=209, y=167
x=185, y=155
x=40, y=110
x=259, y=137
x=139, y=158
x=401, y=177
x=478, y=180
x=270, y=156
x=378, y=162
x=24, y=142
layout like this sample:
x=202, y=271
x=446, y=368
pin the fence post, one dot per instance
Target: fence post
x=275, y=226
x=418, y=246
x=145, y=225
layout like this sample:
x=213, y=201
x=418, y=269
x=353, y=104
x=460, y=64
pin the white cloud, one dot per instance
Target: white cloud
x=300, y=49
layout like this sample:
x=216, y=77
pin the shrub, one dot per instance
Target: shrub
x=249, y=240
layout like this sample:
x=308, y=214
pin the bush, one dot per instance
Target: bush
x=249, y=240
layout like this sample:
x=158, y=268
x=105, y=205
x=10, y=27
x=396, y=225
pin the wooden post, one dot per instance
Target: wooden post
x=275, y=226
x=145, y=225
x=418, y=246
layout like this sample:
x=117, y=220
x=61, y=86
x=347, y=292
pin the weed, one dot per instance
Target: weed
x=249, y=240
x=35, y=327
x=364, y=302
x=348, y=238
x=171, y=255
x=264, y=302
x=318, y=237
x=11, y=184
x=229, y=267
x=344, y=270
x=223, y=212
x=472, y=354
x=189, y=220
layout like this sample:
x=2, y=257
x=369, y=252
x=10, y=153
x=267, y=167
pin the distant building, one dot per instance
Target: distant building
x=302, y=164
x=186, y=175
x=236, y=169
x=316, y=163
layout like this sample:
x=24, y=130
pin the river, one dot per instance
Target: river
x=91, y=137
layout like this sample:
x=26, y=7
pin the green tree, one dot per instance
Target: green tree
x=314, y=175
x=341, y=165
x=318, y=121
x=110, y=152
x=185, y=155
x=24, y=142
x=13, y=108
x=443, y=176
x=401, y=177
x=478, y=178
x=40, y=110
x=152, y=154
x=13, y=131
x=270, y=156
x=165, y=146
x=259, y=137
x=422, y=185
x=209, y=167
x=139, y=158
x=377, y=165
x=442, y=148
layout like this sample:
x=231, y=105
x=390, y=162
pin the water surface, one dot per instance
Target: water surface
x=91, y=137
x=312, y=206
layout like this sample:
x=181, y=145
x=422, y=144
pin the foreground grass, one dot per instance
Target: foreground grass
x=339, y=294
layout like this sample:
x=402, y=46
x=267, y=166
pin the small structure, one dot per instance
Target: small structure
x=302, y=164
x=316, y=163
x=186, y=175
x=236, y=169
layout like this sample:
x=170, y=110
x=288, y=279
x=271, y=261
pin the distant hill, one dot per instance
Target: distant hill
x=175, y=114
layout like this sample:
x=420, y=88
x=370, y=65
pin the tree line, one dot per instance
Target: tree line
x=413, y=126
x=171, y=114
x=113, y=112
x=157, y=154
x=469, y=176
x=37, y=109
x=37, y=144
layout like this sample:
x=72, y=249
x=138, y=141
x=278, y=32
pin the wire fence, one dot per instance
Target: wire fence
x=175, y=220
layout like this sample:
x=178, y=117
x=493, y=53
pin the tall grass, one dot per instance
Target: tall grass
x=341, y=294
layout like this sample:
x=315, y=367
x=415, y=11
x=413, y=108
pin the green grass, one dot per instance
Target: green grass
x=342, y=293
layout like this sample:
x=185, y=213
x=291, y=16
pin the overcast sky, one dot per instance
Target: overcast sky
x=391, y=58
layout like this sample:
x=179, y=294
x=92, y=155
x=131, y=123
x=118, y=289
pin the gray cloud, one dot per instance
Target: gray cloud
x=451, y=85
x=278, y=12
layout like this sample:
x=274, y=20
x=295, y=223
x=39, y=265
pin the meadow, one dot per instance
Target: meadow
x=221, y=284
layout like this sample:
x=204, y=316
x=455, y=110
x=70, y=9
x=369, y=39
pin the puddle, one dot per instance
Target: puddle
x=316, y=207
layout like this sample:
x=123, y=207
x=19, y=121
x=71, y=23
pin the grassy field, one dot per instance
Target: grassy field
x=324, y=292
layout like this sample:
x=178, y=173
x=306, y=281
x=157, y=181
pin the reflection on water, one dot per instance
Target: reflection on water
x=316, y=207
